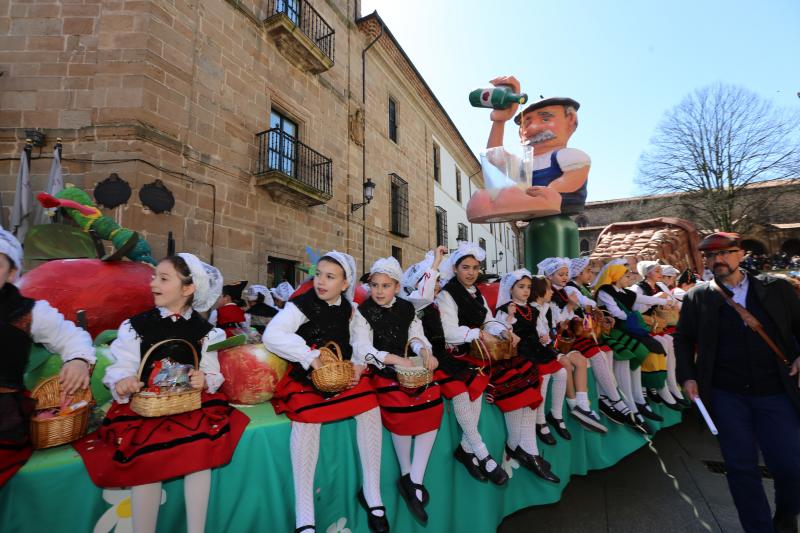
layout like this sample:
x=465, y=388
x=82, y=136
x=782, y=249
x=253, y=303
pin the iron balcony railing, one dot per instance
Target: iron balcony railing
x=305, y=17
x=279, y=151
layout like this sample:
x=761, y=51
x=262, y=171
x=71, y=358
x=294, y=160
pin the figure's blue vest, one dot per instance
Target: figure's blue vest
x=571, y=202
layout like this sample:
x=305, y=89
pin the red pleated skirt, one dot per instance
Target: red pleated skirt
x=300, y=401
x=408, y=412
x=514, y=384
x=130, y=450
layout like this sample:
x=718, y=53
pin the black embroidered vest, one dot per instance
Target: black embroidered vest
x=471, y=308
x=325, y=322
x=432, y=326
x=389, y=325
x=15, y=322
x=627, y=297
x=151, y=329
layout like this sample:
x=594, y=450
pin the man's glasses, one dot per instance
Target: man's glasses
x=721, y=253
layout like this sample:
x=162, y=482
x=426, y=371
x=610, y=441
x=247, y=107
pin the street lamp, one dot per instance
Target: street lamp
x=369, y=194
x=500, y=258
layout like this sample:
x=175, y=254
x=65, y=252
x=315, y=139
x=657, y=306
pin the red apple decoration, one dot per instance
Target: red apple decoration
x=489, y=291
x=251, y=373
x=108, y=292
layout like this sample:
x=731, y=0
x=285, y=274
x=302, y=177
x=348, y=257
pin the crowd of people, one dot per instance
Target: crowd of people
x=559, y=322
x=767, y=263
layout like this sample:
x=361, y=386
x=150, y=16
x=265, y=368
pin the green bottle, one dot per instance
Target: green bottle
x=501, y=97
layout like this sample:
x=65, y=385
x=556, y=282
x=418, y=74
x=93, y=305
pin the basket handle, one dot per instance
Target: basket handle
x=337, y=351
x=160, y=343
x=408, y=345
x=508, y=328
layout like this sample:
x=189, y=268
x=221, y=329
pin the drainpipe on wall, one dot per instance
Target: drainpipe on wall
x=364, y=147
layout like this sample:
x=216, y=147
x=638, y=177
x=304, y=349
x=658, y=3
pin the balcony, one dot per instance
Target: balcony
x=291, y=171
x=301, y=34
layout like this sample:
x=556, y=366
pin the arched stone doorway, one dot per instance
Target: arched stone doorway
x=791, y=246
x=752, y=245
x=584, y=245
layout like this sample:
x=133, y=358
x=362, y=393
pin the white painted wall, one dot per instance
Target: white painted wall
x=499, y=238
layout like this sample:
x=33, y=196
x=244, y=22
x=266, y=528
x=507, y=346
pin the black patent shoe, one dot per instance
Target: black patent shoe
x=376, y=524
x=312, y=529
x=558, y=425
x=534, y=463
x=546, y=438
x=470, y=462
x=497, y=476
x=682, y=401
x=611, y=411
x=642, y=426
x=408, y=490
x=652, y=395
x=674, y=406
x=646, y=412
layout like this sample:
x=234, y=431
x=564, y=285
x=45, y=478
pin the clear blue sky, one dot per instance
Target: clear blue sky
x=625, y=61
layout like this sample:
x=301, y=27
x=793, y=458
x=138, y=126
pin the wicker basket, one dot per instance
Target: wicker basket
x=335, y=374
x=668, y=315
x=150, y=404
x=60, y=429
x=656, y=324
x=606, y=321
x=416, y=376
x=495, y=348
x=564, y=343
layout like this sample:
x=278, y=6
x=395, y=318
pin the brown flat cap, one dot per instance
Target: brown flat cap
x=720, y=241
x=544, y=102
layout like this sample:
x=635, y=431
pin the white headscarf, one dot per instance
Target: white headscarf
x=549, y=266
x=465, y=249
x=252, y=291
x=389, y=266
x=10, y=246
x=283, y=291
x=645, y=267
x=508, y=281
x=577, y=265
x=413, y=275
x=669, y=270
x=348, y=264
x=207, y=281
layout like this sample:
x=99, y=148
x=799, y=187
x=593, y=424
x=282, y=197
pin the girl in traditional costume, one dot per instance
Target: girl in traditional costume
x=305, y=324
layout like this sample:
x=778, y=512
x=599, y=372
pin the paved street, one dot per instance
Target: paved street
x=635, y=496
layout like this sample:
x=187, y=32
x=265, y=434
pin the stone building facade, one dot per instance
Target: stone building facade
x=776, y=227
x=249, y=111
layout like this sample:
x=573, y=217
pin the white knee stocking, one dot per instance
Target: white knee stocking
x=402, y=447
x=528, y=431
x=622, y=371
x=465, y=414
x=145, y=501
x=423, y=445
x=369, y=434
x=196, y=487
x=636, y=385
x=513, y=427
x=540, y=412
x=304, y=448
x=559, y=392
x=604, y=377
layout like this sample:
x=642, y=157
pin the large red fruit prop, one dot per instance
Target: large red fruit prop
x=489, y=291
x=361, y=295
x=108, y=292
x=251, y=373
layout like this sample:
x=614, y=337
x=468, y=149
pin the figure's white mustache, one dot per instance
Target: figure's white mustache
x=542, y=136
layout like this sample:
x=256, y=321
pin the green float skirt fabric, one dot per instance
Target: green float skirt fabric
x=53, y=493
x=626, y=348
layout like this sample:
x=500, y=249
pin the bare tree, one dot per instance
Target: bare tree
x=714, y=148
